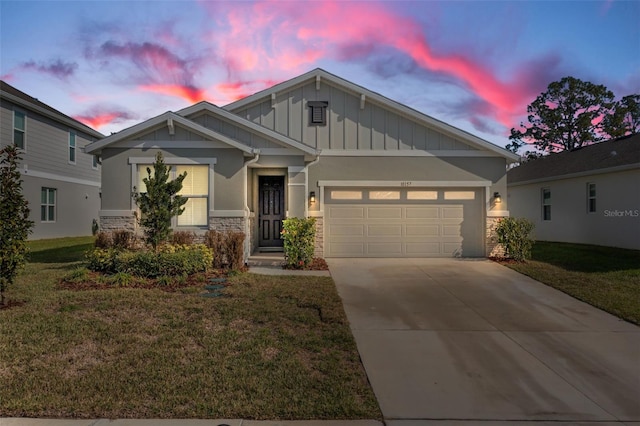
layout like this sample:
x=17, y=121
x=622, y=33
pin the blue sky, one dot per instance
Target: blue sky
x=473, y=64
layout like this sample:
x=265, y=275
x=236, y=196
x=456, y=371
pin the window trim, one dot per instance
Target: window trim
x=173, y=161
x=24, y=131
x=72, y=148
x=47, y=205
x=545, y=204
x=592, y=198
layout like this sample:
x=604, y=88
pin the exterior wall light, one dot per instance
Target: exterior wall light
x=312, y=197
x=496, y=197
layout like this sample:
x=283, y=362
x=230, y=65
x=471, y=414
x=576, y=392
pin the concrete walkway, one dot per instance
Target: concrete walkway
x=451, y=342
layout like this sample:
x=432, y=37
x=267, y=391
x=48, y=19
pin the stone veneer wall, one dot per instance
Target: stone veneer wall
x=226, y=224
x=116, y=223
x=319, y=248
x=492, y=247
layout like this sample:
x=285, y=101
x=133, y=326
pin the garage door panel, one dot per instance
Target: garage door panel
x=401, y=228
x=387, y=249
x=348, y=230
x=423, y=249
x=422, y=212
x=344, y=212
x=450, y=230
x=378, y=212
x=384, y=230
x=423, y=230
x=455, y=212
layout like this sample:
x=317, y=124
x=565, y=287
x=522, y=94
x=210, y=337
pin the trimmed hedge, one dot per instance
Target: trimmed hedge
x=169, y=260
x=299, y=237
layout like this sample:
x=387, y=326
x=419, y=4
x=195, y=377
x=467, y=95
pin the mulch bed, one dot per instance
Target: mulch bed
x=147, y=283
x=317, y=264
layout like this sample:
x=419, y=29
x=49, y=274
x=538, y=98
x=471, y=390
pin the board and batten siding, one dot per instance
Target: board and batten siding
x=348, y=127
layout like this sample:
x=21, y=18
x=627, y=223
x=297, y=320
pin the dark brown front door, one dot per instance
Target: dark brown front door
x=271, y=214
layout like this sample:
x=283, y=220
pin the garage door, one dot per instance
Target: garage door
x=404, y=222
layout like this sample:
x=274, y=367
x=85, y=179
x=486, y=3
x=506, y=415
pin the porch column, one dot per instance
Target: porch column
x=297, y=191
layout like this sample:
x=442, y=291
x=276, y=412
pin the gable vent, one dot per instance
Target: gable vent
x=318, y=112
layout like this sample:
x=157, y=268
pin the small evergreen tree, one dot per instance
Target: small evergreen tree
x=160, y=203
x=15, y=225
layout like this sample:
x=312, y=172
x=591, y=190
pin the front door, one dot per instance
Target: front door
x=271, y=213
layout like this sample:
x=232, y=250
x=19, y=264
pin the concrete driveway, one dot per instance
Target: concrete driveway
x=449, y=341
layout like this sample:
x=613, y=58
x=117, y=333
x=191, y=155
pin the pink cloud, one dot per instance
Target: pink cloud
x=189, y=93
x=282, y=37
x=99, y=116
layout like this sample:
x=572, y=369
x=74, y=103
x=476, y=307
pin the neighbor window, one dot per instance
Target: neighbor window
x=72, y=147
x=48, y=205
x=195, y=187
x=19, y=129
x=591, y=197
x=94, y=161
x=546, y=204
x=318, y=112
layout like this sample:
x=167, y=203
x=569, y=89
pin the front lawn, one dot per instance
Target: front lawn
x=605, y=277
x=271, y=348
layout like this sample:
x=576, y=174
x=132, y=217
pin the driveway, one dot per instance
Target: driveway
x=449, y=339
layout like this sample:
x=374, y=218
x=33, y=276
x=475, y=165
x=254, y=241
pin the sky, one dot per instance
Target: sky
x=471, y=63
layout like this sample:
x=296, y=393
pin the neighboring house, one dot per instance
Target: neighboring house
x=382, y=180
x=590, y=195
x=60, y=182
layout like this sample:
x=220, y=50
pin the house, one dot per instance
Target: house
x=382, y=179
x=590, y=195
x=60, y=182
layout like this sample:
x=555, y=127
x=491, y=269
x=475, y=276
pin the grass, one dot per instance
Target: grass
x=272, y=348
x=605, y=277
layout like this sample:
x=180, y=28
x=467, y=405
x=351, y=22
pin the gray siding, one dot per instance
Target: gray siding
x=233, y=131
x=47, y=144
x=228, y=177
x=615, y=223
x=349, y=127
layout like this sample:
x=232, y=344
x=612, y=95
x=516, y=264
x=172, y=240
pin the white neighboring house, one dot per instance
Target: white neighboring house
x=60, y=181
x=590, y=195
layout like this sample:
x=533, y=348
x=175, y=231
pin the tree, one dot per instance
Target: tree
x=160, y=203
x=15, y=225
x=567, y=116
x=625, y=119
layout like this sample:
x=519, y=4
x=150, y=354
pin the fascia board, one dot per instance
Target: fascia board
x=155, y=121
x=249, y=125
x=75, y=124
x=380, y=100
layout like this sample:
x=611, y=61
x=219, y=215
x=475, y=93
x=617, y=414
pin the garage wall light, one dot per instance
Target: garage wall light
x=496, y=197
x=312, y=197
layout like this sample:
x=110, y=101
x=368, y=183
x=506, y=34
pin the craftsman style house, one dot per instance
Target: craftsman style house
x=382, y=179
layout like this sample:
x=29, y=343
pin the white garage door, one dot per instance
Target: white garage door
x=403, y=222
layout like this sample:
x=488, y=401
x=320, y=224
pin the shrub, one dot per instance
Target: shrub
x=77, y=275
x=228, y=249
x=515, y=236
x=234, y=249
x=182, y=237
x=123, y=239
x=103, y=240
x=102, y=259
x=168, y=260
x=299, y=237
x=215, y=241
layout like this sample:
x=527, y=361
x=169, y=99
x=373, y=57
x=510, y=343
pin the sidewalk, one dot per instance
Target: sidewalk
x=182, y=422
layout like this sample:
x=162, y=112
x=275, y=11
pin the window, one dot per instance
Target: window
x=346, y=195
x=19, y=129
x=422, y=195
x=384, y=195
x=317, y=112
x=591, y=197
x=195, y=187
x=459, y=195
x=546, y=204
x=48, y=205
x=94, y=161
x=72, y=147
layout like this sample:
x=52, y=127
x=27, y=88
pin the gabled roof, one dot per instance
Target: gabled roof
x=319, y=75
x=18, y=97
x=617, y=154
x=170, y=118
x=247, y=125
